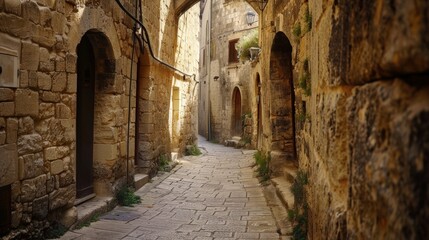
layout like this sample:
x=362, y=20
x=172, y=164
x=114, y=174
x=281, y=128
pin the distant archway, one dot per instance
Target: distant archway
x=236, y=114
x=282, y=97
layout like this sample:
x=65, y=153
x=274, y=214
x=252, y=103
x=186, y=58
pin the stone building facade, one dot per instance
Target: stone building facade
x=224, y=88
x=344, y=96
x=65, y=100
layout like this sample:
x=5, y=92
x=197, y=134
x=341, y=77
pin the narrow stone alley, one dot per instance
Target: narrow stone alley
x=212, y=196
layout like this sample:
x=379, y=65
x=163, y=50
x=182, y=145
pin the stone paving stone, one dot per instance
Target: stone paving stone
x=93, y=233
x=246, y=235
x=269, y=236
x=214, y=196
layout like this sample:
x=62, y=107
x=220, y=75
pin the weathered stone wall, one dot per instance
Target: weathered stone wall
x=162, y=130
x=361, y=124
x=38, y=111
x=38, y=114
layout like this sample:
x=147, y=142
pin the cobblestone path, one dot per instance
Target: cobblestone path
x=214, y=196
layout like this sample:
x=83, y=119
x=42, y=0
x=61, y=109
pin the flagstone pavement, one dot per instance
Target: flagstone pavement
x=213, y=196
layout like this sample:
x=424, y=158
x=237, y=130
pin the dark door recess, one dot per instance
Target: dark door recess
x=85, y=118
x=5, y=209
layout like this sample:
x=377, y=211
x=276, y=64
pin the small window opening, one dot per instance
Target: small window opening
x=233, y=54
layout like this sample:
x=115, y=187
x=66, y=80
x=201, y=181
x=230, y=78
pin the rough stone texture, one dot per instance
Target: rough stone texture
x=40, y=207
x=62, y=197
x=31, y=166
x=390, y=183
x=33, y=188
x=30, y=56
x=31, y=143
x=8, y=164
x=7, y=109
x=56, y=166
x=53, y=153
x=12, y=130
x=6, y=94
x=359, y=132
x=27, y=103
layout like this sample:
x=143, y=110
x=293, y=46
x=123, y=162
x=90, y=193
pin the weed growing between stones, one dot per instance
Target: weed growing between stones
x=308, y=19
x=297, y=30
x=192, y=150
x=302, y=117
x=56, y=230
x=305, y=84
x=163, y=164
x=127, y=197
x=299, y=214
x=262, y=161
x=88, y=222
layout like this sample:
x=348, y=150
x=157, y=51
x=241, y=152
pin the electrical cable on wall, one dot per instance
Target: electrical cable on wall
x=147, y=40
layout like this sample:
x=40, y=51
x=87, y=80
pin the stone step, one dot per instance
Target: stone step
x=236, y=138
x=140, y=180
x=283, y=186
x=94, y=207
x=280, y=213
x=232, y=143
x=280, y=160
x=290, y=173
x=174, y=156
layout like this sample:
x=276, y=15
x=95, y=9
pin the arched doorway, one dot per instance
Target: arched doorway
x=85, y=118
x=258, y=88
x=236, y=115
x=282, y=97
x=95, y=69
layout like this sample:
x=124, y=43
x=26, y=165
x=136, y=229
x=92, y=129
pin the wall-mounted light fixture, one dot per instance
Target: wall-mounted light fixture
x=250, y=17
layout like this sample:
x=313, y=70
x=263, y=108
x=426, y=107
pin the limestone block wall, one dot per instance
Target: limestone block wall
x=38, y=107
x=360, y=125
x=160, y=90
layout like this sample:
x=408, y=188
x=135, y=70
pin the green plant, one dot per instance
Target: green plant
x=305, y=83
x=163, y=163
x=306, y=65
x=308, y=19
x=55, y=230
x=303, y=116
x=245, y=43
x=246, y=139
x=297, y=30
x=88, y=222
x=262, y=161
x=299, y=214
x=127, y=197
x=193, y=150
